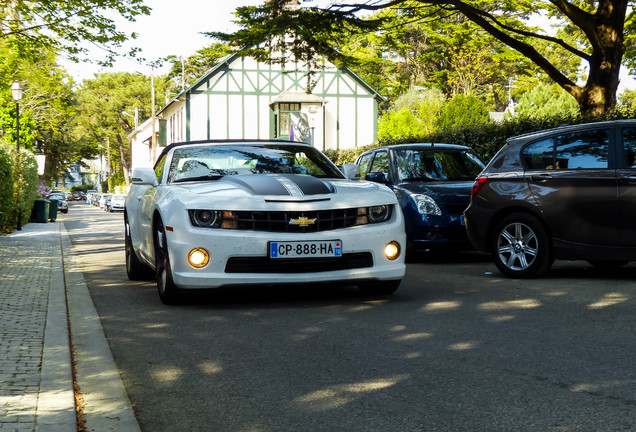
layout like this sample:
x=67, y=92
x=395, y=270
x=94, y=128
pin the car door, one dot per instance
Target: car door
x=626, y=175
x=573, y=180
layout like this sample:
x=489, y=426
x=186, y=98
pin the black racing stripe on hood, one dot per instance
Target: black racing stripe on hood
x=311, y=185
x=267, y=184
x=259, y=184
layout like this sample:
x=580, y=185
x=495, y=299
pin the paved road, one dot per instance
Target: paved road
x=457, y=348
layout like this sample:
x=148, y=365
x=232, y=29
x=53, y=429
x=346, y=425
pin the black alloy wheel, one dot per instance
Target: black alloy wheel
x=168, y=291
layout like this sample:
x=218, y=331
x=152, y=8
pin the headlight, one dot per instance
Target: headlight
x=426, y=205
x=375, y=214
x=380, y=213
x=213, y=219
x=206, y=218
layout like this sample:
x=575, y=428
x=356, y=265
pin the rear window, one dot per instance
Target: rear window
x=578, y=150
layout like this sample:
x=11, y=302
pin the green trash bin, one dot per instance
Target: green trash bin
x=52, y=210
x=41, y=210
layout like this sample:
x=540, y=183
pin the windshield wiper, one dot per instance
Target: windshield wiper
x=199, y=178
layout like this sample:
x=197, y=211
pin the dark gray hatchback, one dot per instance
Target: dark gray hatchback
x=567, y=193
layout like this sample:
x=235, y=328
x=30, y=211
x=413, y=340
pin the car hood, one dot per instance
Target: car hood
x=455, y=191
x=280, y=190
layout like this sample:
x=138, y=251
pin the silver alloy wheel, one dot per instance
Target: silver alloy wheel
x=517, y=246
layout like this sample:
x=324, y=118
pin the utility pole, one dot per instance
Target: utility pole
x=182, y=74
x=153, y=143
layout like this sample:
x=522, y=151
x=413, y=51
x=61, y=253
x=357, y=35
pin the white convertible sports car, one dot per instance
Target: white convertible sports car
x=222, y=213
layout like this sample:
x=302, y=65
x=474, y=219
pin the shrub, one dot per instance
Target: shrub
x=19, y=188
x=7, y=203
x=462, y=111
x=486, y=139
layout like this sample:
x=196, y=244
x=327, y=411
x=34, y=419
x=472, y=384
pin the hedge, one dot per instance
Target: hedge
x=485, y=139
x=18, y=186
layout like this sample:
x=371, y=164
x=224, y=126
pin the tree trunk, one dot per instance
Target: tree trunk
x=604, y=32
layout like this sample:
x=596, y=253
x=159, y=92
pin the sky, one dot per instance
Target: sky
x=175, y=27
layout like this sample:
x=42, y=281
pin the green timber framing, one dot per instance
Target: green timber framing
x=240, y=77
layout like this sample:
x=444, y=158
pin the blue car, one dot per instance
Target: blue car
x=432, y=183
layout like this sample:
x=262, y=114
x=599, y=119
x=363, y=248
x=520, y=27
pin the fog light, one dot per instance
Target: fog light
x=198, y=257
x=392, y=250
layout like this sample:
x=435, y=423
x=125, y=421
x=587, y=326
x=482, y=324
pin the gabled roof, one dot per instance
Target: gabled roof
x=225, y=61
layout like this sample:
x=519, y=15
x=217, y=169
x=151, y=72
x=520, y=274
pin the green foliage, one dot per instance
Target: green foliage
x=462, y=111
x=82, y=188
x=18, y=186
x=7, y=203
x=117, y=179
x=627, y=99
x=487, y=139
x=344, y=156
x=413, y=114
x=106, y=114
x=64, y=25
x=590, y=30
x=398, y=125
x=185, y=72
x=544, y=100
x=45, y=109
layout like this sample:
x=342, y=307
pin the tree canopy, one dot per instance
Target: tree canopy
x=593, y=34
x=63, y=26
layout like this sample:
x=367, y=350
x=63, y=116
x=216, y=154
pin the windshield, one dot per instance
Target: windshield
x=212, y=162
x=436, y=165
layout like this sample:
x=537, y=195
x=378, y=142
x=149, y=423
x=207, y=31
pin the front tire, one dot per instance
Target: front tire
x=168, y=291
x=521, y=246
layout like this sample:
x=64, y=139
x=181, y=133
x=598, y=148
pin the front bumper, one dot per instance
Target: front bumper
x=446, y=231
x=241, y=257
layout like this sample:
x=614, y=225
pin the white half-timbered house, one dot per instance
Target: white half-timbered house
x=241, y=98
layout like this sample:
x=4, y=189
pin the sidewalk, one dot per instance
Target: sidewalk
x=38, y=273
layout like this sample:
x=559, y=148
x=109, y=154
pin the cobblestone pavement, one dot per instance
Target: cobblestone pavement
x=30, y=271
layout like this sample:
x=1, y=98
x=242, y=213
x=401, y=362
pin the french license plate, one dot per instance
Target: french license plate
x=305, y=249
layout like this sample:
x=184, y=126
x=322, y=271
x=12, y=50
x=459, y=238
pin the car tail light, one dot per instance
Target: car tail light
x=480, y=182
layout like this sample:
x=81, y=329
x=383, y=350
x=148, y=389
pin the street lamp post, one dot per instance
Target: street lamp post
x=16, y=93
x=101, y=166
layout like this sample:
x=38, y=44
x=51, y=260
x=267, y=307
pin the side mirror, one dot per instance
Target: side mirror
x=376, y=177
x=351, y=171
x=144, y=176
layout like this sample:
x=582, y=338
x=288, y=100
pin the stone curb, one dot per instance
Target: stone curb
x=106, y=404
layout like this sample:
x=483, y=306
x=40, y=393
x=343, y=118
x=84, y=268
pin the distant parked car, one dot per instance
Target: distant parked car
x=96, y=199
x=432, y=183
x=103, y=200
x=567, y=193
x=117, y=203
x=62, y=204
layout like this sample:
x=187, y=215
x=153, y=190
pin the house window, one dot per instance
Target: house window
x=286, y=111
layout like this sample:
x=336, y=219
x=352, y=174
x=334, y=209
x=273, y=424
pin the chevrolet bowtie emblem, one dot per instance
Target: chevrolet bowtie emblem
x=302, y=221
